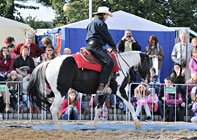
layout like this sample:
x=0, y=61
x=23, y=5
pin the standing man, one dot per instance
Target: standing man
x=182, y=53
x=128, y=43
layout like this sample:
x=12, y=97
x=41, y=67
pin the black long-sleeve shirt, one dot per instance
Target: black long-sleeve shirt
x=19, y=62
x=97, y=31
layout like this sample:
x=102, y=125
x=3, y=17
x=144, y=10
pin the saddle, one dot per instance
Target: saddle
x=86, y=54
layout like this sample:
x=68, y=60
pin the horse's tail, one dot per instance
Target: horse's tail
x=36, y=87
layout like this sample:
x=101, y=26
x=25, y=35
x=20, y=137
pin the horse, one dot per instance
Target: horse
x=62, y=73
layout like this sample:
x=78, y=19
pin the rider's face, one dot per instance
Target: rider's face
x=105, y=17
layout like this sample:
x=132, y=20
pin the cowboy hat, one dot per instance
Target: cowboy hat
x=103, y=9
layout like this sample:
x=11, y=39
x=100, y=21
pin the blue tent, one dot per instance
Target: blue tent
x=73, y=35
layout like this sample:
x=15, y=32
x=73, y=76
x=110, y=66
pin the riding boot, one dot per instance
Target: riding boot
x=100, y=89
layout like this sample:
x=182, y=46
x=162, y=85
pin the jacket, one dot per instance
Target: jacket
x=97, y=31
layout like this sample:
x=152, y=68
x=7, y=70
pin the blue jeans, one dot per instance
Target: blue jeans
x=70, y=114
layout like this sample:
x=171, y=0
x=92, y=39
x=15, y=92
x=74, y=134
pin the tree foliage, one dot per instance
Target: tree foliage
x=174, y=13
x=179, y=13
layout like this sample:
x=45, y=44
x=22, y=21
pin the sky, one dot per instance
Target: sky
x=42, y=14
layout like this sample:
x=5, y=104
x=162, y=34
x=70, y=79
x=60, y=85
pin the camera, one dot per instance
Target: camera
x=129, y=36
x=183, y=63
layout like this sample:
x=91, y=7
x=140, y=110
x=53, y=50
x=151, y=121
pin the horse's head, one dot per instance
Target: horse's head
x=143, y=69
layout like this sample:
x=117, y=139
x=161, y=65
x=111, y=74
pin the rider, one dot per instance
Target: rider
x=97, y=37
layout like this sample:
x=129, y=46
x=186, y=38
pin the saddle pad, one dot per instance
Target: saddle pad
x=82, y=63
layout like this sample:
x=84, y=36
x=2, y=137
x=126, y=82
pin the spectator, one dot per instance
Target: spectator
x=11, y=50
x=182, y=53
x=178, y=78
x=191, y=83
x=46, y=41
x=24, y=65
x=6, y=63
x=13, y=88
x=194, y=109
x=2, y=106
x=141, y=94
x=152, y=100
x=153, y=80
x=50, y=53
x=128, y=43
x=67, y=51
x=193, y=63
x=9, y=40
x=155, y=52
x=194, y=93
x=34, y=50
x=104, y=113
x=161, y=96
x=71, y=106
x=170, y=100
x=194, y=42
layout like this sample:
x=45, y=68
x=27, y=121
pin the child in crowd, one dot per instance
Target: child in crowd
x=153, y=81
x=71, y=106
x=104, y=112
x=13, y=88
x=152, y=100
x=194, y=110
x=193, y=63
x=141, y=94
x=170, y=101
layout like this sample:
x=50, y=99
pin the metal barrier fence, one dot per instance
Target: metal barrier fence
x=113, y=115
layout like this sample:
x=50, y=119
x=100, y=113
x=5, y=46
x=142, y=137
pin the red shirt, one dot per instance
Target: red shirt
x=35, y=50
x=6, y=65
x=65, y=106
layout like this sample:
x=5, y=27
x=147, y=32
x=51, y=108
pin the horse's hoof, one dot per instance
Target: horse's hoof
x=137, y=124
x=93, y=124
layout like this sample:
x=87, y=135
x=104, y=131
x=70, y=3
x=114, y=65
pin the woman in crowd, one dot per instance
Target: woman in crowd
x=71, y=106
x=6, y=63
x=155, y=52
x=50, y=53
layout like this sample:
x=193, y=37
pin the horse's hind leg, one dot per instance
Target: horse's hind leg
x=99, y=99
x=55, y=108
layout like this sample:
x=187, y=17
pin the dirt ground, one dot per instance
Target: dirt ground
x=12, y=133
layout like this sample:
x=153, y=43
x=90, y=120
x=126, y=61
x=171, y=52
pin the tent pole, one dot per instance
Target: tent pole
x=90, y=11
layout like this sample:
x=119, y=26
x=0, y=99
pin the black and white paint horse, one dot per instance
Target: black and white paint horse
x=62, y=73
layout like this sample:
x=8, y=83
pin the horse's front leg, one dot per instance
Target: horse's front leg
x=124, y=97
x=55, y=109
x=133, y=113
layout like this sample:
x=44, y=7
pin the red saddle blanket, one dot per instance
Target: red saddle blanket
x=82, y=63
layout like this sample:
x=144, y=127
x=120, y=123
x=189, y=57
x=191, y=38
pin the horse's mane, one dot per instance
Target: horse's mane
x=132, y=58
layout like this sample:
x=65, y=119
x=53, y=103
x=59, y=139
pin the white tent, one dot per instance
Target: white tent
x=14, y=29
x=122, y=20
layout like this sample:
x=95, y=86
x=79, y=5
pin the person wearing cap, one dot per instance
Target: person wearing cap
x=97, y=37
x=9, y=40
x=34, y=50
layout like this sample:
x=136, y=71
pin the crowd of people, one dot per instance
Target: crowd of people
x=17, y=64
